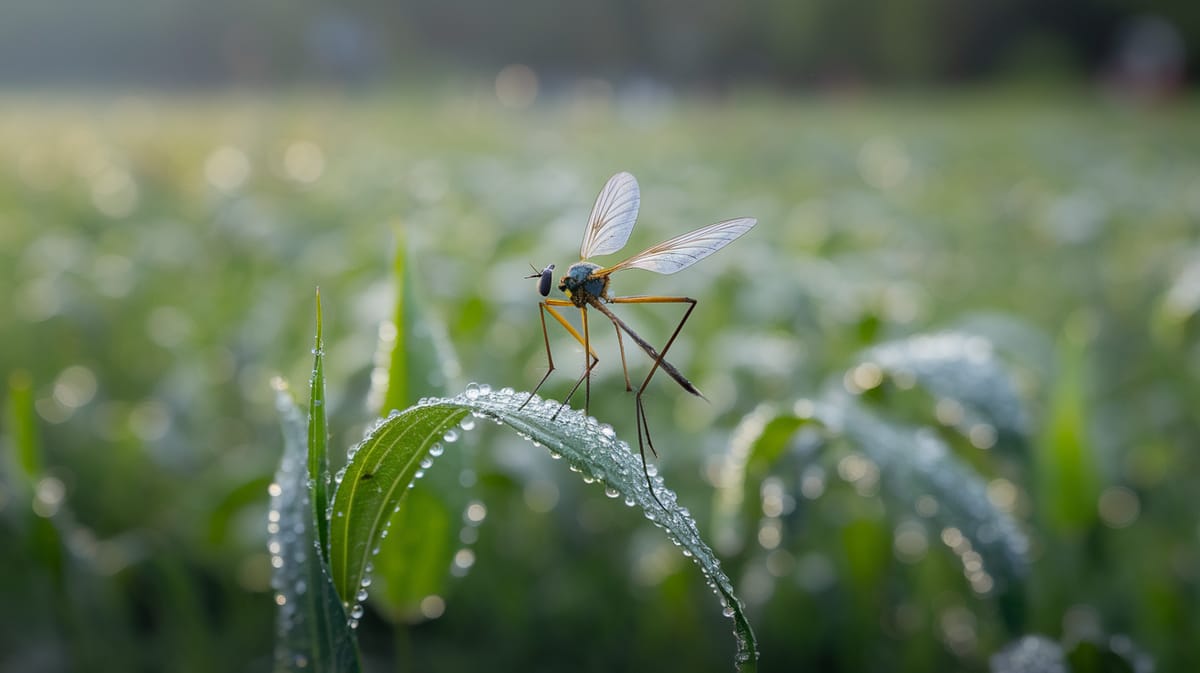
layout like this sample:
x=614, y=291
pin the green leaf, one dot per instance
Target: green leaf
x=961, y=367
x=1068, y=477
x=396, y=396
x=915, y=462
x=759, y=440
x=312, y=632
x=912, y=462
x=318, y=436
x=43, y=533
x=411, y=567
x=22, y=425
x=386, y=464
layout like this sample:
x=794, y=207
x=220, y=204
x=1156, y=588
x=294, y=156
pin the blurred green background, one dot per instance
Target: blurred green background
x=177, y=177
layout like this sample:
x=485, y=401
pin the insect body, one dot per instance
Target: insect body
x=586, y=285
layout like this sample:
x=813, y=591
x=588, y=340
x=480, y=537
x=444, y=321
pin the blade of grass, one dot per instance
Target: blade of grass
x=318, y=437
x=22, y=425
x=396, y=396
x=312, y=632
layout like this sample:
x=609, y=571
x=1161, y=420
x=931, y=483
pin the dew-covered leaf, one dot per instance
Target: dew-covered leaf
x=1030, y=654
x=318, y=436
x=963, y=368
x=759, y=440
x=915, y=463
x=386, y=464
x=912, y=463
x=311, y=628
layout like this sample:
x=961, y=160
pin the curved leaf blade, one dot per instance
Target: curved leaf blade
x=961, y=367
x=912, y=462
x=915, y=461
x=383, y=467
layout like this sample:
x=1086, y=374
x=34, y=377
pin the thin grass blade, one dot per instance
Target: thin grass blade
x=312, y=633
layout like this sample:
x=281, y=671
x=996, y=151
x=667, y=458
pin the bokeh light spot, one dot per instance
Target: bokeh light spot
x=516, y=86
x=1119, y=507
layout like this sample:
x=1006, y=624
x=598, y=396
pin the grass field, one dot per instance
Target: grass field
x=158, y=260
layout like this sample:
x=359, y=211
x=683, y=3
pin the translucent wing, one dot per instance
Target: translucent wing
x=612, y=217
x=683, y=251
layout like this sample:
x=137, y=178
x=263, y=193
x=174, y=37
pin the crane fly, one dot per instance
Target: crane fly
x=586, y=285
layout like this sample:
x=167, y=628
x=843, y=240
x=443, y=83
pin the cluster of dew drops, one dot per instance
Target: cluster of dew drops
x=628, y=470
x=472, y=516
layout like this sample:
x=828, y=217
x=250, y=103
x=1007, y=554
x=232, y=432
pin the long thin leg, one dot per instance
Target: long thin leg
x=543, y=307
x=590, y=361
x=587, y=360
x=621, y=347
x=643, y=427
x=662, y=354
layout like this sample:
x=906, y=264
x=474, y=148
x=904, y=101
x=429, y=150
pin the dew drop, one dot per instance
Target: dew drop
x=436, y=450
x=451, y=435
x=352, y=623
x=467, y=423
x=486, y=389
x=728, y=611
x=607, y=431
x=426, y=462
x=611, y=492
x=472, y=391
x=366, y=580
x=361, y=595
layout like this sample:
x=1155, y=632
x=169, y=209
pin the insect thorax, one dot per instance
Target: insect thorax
x=579, y=284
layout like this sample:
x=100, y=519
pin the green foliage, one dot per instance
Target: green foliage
x=312, y=631
x=393, y=457
x=156, y=265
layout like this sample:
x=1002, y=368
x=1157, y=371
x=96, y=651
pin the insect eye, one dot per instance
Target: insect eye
x=546, y=279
